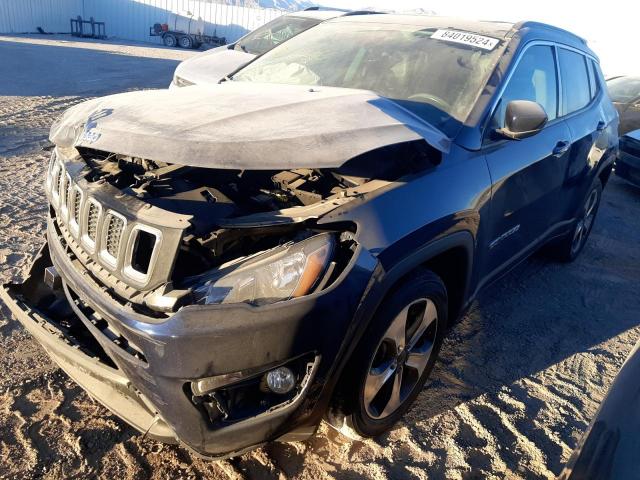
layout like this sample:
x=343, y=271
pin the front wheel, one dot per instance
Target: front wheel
x=395, y=356
x=569, y=247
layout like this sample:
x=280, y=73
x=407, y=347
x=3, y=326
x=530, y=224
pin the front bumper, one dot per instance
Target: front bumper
x=150, y=391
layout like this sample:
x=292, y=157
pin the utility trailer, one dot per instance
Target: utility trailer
x=184, y=31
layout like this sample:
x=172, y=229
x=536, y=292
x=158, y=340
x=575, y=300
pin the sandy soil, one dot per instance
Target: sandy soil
x=518, y=381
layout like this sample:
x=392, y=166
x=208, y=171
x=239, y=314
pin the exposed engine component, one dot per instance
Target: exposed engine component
x=231, y=215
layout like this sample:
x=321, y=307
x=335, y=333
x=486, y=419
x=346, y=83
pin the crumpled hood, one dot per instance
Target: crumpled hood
x=209, y=67
x=241, y=125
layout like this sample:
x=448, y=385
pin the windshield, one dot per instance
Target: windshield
x=273, y=33
x=400, y=62
x=624, y=89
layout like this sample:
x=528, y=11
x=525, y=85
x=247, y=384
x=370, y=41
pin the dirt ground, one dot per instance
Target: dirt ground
x=519, y=378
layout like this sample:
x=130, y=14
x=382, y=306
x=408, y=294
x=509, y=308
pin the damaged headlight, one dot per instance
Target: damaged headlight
x=284, y=273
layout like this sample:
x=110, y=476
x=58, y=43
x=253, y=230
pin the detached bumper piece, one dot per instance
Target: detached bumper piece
x=72, y=347
x=138, y=375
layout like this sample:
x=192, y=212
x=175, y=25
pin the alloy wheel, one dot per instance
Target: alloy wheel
x=401, y=358
x=585, y=221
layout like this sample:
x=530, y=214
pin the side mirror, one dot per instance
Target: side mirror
x=523, y=119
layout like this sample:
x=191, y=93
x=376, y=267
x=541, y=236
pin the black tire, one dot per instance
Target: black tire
x=567, y=248
x=169, y=39
x=186, y=42
x=368, y=415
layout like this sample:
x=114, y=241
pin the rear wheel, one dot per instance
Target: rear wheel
x=185, y=42
x=395, y=356
x=569, y=247
x=169, y=39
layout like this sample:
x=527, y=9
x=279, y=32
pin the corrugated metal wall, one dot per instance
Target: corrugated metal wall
x=17, y=16
x=130, y=19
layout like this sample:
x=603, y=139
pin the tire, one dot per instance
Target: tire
x=169, y=40
x=569, y=247
x=186, y=42
x=375, y=405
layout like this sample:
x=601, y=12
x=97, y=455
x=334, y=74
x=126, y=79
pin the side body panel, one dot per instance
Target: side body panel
x=448, y=198
x=527, y=182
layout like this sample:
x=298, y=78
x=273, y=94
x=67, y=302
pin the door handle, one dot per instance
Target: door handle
x=561, y=148
x=601, y=126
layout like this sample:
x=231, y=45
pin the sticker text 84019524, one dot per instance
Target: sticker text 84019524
x=466, y=38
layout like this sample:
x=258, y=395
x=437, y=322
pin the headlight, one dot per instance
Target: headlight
x=284, y=273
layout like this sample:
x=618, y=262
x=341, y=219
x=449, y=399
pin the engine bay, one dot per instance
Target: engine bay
x=236, y=214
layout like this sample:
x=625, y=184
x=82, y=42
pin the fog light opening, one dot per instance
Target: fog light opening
x=281, y=380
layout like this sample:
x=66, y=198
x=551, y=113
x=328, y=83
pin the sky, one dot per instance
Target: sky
x=611, y=27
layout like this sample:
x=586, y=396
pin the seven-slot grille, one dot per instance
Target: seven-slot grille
x=82, y=218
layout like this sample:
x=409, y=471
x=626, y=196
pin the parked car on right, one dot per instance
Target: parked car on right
x=628, y=161
x=609, y=449
x=625, y=95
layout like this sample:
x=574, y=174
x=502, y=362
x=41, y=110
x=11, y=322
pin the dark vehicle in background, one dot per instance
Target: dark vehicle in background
x=210, y=67
x=628, y=161
x=625, y=95
x=609, y=448
x=297, y=248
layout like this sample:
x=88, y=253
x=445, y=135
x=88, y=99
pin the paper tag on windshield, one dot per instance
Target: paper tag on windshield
x=466, y=38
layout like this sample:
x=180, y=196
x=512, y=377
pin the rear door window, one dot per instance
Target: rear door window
x=576, y=90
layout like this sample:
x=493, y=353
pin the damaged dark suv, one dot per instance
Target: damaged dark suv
x=295, y=246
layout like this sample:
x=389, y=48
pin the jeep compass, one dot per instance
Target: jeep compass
x=229, y=265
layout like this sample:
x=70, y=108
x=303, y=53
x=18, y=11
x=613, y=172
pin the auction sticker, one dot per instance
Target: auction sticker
x=466, y=38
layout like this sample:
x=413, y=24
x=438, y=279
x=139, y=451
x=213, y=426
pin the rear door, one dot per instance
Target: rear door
x=589, y=120
x=526, y=174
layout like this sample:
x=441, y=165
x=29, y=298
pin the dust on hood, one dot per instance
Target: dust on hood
x=242, y=125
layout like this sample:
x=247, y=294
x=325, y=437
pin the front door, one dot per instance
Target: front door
x=527, y=175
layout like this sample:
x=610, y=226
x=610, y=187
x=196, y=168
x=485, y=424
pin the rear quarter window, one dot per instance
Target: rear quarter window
x=576, y=88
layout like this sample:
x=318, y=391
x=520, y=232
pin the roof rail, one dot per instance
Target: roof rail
x=532, y=24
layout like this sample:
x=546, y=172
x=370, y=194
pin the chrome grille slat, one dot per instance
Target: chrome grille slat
x=69, y=195
x=113, y=237
x=77, y=203
x=92, y=221
x=60, y=182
